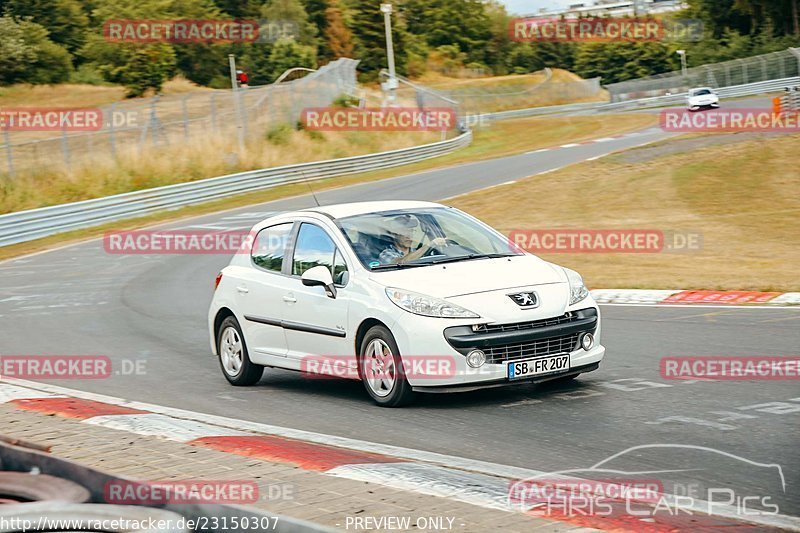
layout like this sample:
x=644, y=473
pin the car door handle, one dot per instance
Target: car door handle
x=243, y=290
x=289, y=299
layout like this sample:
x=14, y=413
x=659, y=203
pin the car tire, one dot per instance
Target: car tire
x=119, y=518
x=234, y=361
x=379, y=353
x=26, y=487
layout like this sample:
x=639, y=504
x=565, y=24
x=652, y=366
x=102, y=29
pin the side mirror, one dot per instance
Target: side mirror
x=319, y=275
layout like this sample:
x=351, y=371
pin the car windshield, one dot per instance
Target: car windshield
x=417, y=237
x=701, y=92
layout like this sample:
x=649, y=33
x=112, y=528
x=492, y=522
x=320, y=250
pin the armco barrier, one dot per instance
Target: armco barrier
x=751, y=89
x=36, y=223
x=22, y=459
x=736, y=91
x=33, y=224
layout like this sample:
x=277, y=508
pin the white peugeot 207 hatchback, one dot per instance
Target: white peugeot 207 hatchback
x=405, y=296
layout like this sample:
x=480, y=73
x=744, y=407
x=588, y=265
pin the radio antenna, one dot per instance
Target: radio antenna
x=308, y=183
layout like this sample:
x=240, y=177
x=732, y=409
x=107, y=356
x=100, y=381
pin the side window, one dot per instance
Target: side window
x=269, y=246
x=314, y=247
x=340, y=274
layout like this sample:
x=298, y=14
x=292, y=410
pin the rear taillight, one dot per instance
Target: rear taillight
x=216, y=281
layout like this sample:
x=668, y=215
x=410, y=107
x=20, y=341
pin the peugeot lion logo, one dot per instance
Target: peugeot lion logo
x=526, y=300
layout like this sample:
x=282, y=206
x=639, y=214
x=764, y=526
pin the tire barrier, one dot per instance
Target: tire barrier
x=26, y=487
x=57, y=517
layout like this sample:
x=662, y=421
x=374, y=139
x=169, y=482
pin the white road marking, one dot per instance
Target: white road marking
x=257, y=215
x=476, y=489
x=701, y=306
x=570, y=145
x=193, y=425
x=11, y=392
x=167, y=427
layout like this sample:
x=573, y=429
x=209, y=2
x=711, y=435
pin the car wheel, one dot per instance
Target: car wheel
x=381, y=369
x=233, y=357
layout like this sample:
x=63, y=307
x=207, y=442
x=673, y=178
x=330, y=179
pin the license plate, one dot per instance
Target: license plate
x=538, y=367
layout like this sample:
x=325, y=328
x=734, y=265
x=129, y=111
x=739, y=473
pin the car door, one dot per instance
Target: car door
x=316, y=324
x=260, y=292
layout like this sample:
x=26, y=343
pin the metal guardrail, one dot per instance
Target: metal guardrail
x=736, y=91
x=534, y=111
x=750, y=89
x=36, y=223
x=33, y=224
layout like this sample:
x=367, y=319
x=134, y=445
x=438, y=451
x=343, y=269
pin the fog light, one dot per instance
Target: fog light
x=476, y=358
x=587, y=341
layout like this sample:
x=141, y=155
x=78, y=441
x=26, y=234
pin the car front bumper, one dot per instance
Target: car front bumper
x=424, y=338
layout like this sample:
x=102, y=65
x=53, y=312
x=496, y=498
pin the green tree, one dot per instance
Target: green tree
x=239, y=9
x=294, y=12
x=288, y=53
x=338, y=37
x=200, y=62
x=463, y=23
x=370, y=38
x=65, y=20
x=147, y=68
x=27, y=55
x=620, y=61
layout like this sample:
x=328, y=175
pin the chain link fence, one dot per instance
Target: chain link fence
x=139, y=126
x=475, y=100
x=775, y=65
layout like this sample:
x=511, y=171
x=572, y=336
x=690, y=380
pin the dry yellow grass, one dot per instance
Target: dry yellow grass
x=78, y=95
x=438, y=80
x=741, y=197
x=499, y=93
x=503, y=138
x=203, y=158
x=514, y=136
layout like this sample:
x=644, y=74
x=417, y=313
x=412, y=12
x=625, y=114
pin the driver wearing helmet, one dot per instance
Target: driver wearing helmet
x=401, y=229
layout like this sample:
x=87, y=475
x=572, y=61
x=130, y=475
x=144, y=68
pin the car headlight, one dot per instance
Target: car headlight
x=420, y=304
x=577, y=290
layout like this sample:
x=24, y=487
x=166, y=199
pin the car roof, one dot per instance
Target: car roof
x=360, y=208
x=701, y=89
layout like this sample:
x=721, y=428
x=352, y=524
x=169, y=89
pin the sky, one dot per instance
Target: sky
x=532, y=6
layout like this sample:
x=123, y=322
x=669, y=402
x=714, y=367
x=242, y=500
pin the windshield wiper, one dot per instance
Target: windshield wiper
x=470, y=257
x=397, y=265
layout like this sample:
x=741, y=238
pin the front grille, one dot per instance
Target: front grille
x=541, y=347
x=488, y=328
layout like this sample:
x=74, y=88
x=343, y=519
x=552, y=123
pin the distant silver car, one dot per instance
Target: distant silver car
x=701, y=97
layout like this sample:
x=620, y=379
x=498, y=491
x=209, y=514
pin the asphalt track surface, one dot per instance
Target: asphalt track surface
x=152, y=308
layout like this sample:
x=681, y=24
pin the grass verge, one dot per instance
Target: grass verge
x=740, y=197
x=502, y=138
